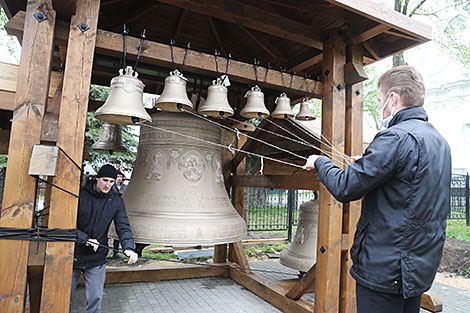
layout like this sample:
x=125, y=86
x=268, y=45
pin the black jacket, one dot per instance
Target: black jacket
x=404, y=177
x=96, y=211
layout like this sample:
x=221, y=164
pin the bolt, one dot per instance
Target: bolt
x=322, y=249
x=358, y=92
x=83, y=27
x=40, y=16
x=327, y=72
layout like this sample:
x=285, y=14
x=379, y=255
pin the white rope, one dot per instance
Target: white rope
x=230, y=147
x=248, y=136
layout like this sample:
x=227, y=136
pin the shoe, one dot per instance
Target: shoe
x=117, y=256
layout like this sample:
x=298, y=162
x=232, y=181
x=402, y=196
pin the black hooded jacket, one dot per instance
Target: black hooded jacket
x=96, y=211
x=404, y=177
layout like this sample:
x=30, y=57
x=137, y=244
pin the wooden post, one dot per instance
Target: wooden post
x=20, y=188
x=352, y=210
x=71, y=135
x=330, y=216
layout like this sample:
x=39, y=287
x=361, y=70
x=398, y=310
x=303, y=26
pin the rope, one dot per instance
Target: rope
x=230, y=148
x=248, y=136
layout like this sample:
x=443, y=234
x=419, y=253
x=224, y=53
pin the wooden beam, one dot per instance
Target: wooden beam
x=354, y=73
x=136, y=12
x=270, y=292
x=368, y=34
x=108, y=43
x=307, y=63
x=255, y=18
x=155, y=274
x=305, y=181
x=352, y=210
x=431, y=302
x=303, y=285
x=71, y=135
x=216, y=33
x=267, y=46
x=386, y=16
x=327, y=284
x=20, y=188
x=239, y=257
x=372, y=47
x=399, y=34
x=180, y=24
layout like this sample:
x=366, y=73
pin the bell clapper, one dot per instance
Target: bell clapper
x=179, y=106
x=135, y=120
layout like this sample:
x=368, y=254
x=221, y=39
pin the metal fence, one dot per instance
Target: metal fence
x=278, y=209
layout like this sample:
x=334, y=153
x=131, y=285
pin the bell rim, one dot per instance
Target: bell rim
x=122, y=119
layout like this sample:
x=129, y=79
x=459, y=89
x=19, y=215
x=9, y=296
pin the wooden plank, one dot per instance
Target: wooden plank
x=386, y=16
x=180, y=24
x=307, y=63
x=303, y=285
x=8, y=76
x=430, y=301
x=239, y=256
x=270, y=292
x=372, y=47
x=20, y=188
x=368, y=34
x=352, y=210
x=136, y=275
x=71, y=135
x=305, y=181
x=37, y=252
x=110, y=44
x=288, y=284
x=216, y=32
x=331, y=211
x=267, y=46
x=4, y=140
x=255, y=18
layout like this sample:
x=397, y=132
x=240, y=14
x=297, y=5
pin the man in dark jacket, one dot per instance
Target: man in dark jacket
x=404, y=177
x=99, y=205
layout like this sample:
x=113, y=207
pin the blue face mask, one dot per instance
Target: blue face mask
x=386, y=121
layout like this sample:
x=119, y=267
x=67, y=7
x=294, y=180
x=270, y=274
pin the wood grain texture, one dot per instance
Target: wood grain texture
x=20, y=188
x=71, y=133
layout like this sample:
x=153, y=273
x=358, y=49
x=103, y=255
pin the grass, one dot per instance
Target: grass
x=457, y=229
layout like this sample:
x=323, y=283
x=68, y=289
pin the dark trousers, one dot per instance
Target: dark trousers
x=370, y=301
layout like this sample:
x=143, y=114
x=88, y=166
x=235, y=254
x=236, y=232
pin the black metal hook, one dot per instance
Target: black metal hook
x=291, y=78
x=255, y=66
x=188, y=46
x=216, y=55
x=142, y=37
x=124, y=39
x=266, y=73
x=282, y=69
x=172, y=43
x=229, y=56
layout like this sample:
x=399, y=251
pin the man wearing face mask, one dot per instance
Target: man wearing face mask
x=404, y=177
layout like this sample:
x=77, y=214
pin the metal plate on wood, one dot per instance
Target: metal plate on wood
x=43, y=161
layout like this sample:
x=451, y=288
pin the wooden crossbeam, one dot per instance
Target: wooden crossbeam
x=110, y=44
x=253, y=17
x=304, y=181
x=216, y=32
x=303, y=285
x=267, y=46
x=71, y=135
x=20, y=188
x=368, y=34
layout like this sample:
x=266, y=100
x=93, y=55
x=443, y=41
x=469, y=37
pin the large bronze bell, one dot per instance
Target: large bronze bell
x=302, y=252
x=174, y=94
x=216, y=103
x=305, y=113
x=125, y=104
x=110, y=138
x=254, y=107
x=283, y=109
x=177, y=195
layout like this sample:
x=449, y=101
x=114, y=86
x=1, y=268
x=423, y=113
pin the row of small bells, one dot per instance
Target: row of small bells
x=177, y=195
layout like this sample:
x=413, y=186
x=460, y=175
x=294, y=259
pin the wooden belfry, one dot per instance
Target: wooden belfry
x=322, y=45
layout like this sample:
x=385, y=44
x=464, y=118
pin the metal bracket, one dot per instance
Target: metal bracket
x=40, y=17
x=83, y=27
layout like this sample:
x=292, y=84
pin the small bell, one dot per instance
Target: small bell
x=217, y=101
x=174, y=94
x=125, y=104
x=110, y=138
x=255, y=107
x=302, y=252
x=283, y=109
x=305, y=114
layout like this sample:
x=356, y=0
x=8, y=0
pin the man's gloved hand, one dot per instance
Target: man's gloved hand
x=132, y=256
x=310, y=164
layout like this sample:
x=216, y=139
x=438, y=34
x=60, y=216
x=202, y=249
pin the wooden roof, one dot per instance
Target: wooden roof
x=283, y=33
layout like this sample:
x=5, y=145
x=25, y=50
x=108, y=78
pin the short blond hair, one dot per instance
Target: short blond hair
x=406, y=81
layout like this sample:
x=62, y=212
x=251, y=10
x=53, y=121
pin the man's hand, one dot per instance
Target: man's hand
x=310, y=164
x=93, y=243
x=132, y=256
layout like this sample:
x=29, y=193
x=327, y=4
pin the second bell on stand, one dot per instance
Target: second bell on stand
x=124, y=104
x=254, y=107
x=305, y=113
x=216, y=103
x=174, y=94
x=110, y=138
x=283, y=109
